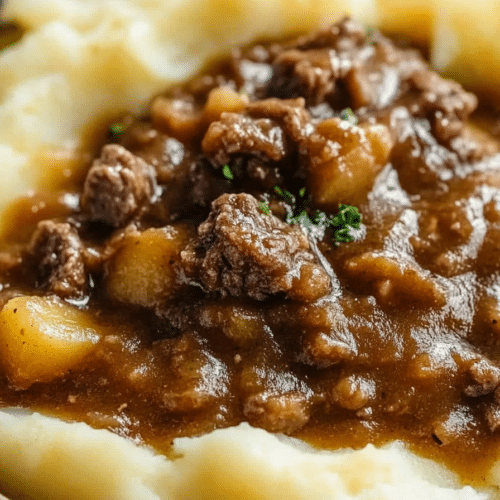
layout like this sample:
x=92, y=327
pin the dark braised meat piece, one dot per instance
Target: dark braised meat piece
x=314, y=65
x=57, y=252
x=236, y=134
x=422, y=163
x=242, y=251
x=289, y=113
x=285, y=412
x=444, y=102
x=117, y=186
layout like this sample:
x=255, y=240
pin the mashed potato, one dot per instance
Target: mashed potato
x=233, y=464
x=85, y=58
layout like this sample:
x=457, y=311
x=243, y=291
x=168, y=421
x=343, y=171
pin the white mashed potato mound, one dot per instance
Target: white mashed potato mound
x=85, y=58
x=240, y=463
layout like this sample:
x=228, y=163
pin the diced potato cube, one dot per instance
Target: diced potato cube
x=380, y=141
x=344, y=161
x=42, y=338
x=142, y=270
x=240, y=323
x=177, y=117
x=223, y=99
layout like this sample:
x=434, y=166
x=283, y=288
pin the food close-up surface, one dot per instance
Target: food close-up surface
x=249, y=251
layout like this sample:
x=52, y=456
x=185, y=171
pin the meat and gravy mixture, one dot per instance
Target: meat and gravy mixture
x=192, y=280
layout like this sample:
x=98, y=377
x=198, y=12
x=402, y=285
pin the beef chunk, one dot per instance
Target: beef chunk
x=236, y=134
x=57, y=251
x=421, y=162
x=289, y=113
x=285, y=413
x=485, y=376
x=194, y=378
x=493, y=417
x=117, y=186
x=353, y=392
x=314, y=65
x=242, y=251
x=444, y=102
x=327, y=339
x=308, y=74
x=340, y=67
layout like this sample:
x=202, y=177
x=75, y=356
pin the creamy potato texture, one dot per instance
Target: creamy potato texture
x=233, y=464
x=81, y=59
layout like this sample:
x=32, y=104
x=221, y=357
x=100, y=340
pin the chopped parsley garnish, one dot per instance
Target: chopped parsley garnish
x=115, y=131
x=347, y=217
x=227, y=173
x=265, y=208
x=370, y=32
x=347, y=114
x=286, y=195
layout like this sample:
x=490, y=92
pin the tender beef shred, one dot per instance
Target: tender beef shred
x=339, y=67
x=236, y=133
x=216, y=309
x=242, y=251
x=117, y=185
x=58, y=254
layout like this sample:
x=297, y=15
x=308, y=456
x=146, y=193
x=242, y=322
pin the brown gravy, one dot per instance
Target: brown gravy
x=248, y=317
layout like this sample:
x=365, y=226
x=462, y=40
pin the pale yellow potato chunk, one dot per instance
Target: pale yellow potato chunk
x=466, y=43
x=42, y=338
x=412, y=18
x=344, y=161
x=221, y=100
x=142, y=271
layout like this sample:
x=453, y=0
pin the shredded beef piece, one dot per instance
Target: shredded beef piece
x=444, y=102
x=493, y=417
x=289, y=113
x=339, y=67
x=314, y=65
x=235, y=134
x=117, y=186
x=308, y=74
x=345, y=35
x=57, y=251
x=354, y=392
x=242, y=251
x=485, y=375
x=422, y=163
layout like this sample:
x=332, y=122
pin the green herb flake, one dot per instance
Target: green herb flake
x=286, y=195
x=347, y=217
x=116, y=130
x=342, y=235
x=348, y=115
x=370, y=32
x=265, y=208
x=227, y=173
